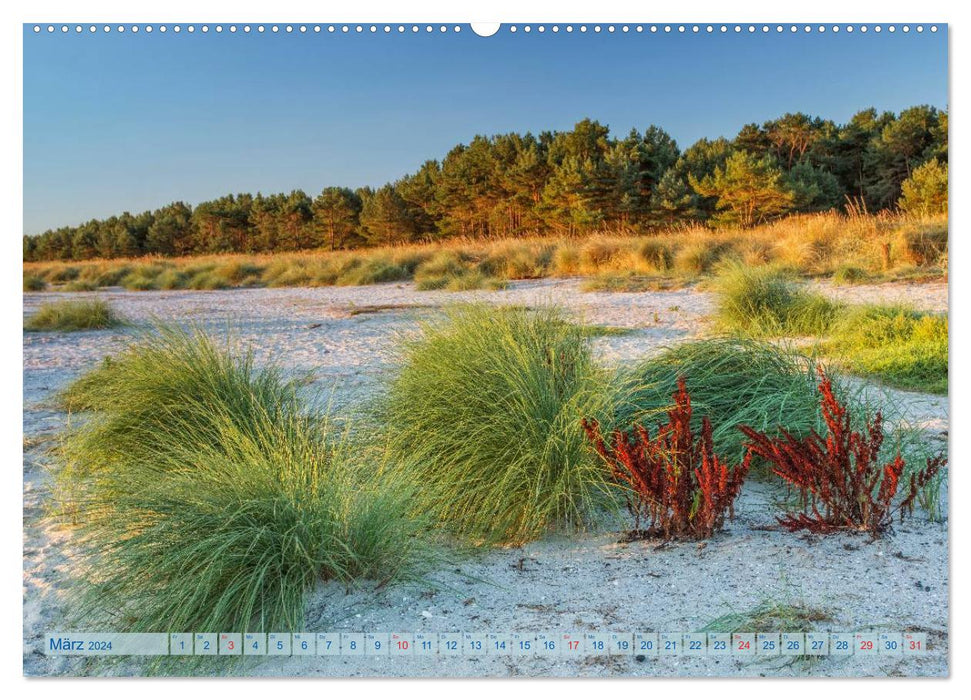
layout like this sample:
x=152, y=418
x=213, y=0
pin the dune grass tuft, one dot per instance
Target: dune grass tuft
x=850, y=274
x=733, y=381
x=452, y=272
x=142, y=277
x=374, y=272
x=900, y=346
x=794, y=616
x=764, y=302
x=34, y=283
x=83, y=315
x=207, y=497
x=486, y=409
x=628, y=282
x=742, y=381
x=80, y=285
x=896, y=344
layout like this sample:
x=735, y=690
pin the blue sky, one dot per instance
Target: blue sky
x=126, y=122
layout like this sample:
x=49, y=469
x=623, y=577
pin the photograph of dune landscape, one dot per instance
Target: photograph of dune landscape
x=574, y=350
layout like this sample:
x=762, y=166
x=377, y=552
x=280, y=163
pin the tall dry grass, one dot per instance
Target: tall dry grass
x=878, y=247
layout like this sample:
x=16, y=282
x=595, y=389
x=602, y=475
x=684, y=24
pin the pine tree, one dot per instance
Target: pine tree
x=575, y=181
x=813, y=189
x=750, y=190
x=385, y=218
x=903, y=145
x=336, y=216
x=170, y=231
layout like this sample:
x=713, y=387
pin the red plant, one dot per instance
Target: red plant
x=675, y=479
x=839, y=477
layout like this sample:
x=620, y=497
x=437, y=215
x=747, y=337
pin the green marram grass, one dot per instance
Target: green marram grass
x=629, y=282
x=733, y=381
x=742, y=381
x=74, y=315
x=850, y=274
x=34, y=283
x=771, y=615
x=485, y=410
x=764, y=302
x=374, y=272
x=173, y=387
x=206, y=497
x=80, y=286
x=895, y=344
x=452, y=272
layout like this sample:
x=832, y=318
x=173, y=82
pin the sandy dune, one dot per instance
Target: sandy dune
x=344, y=337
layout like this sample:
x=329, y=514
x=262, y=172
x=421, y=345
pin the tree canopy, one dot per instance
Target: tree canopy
x=569, y=182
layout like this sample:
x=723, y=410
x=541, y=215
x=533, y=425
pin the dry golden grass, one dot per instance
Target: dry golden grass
x=883, y=247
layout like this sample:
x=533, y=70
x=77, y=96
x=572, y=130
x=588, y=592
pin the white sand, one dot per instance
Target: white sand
x=581, y=583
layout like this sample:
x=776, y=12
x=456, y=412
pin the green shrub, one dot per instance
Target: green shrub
x=755, y=252
x=733, y=381
x=485, y=408
x=771, y=614
x=34, y=283
x=430, y=284
x=207, y=497
x=739, y=381
x=900, y=346
x=925, y=192
x=83, y=315
x=762, y=302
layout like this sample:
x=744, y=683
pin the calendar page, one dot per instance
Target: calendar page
x=528, y=349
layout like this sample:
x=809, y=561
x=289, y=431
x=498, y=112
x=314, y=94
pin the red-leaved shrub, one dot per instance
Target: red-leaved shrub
x=675, y=478
x=839, y=477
